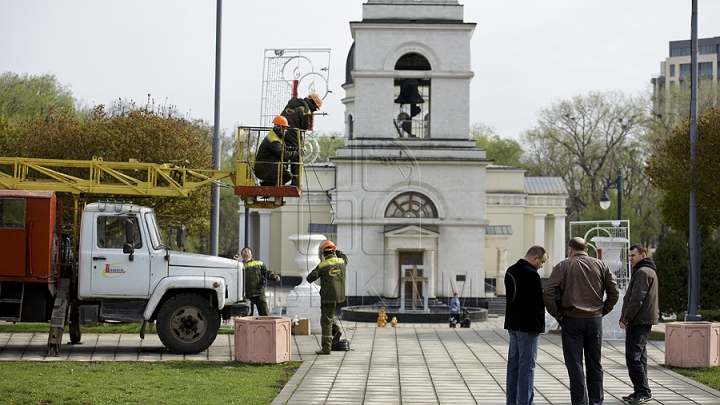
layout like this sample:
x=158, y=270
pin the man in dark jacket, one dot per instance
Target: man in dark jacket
x=639, y=313
x=273, y=154
x=298, y=113
x=574, y=296
x=254, y=272
x=331, y=272
x=524, y=320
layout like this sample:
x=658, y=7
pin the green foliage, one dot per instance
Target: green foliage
x=505, y=152
x=152, y=135
x=671, y=259
x=657, y=336
x=710, y=276
x=329, y=144
x=172, y=382
x=585, y=141
x=707, y=315
x=669, y=170
x=708, y=376
x=27, y=96
x=44, y=327
x=671, y=106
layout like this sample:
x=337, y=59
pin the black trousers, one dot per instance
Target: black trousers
x=636, y=338
x=583, y=336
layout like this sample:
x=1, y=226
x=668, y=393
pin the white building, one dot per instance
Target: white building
x=409, y=187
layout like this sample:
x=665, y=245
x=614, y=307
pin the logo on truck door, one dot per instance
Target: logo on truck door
x=114, y=270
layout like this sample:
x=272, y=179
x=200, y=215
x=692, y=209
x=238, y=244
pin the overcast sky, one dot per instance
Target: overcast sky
x=526, y=54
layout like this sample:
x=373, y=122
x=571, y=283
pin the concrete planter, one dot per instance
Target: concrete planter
x=692, y=344
x=262, y=339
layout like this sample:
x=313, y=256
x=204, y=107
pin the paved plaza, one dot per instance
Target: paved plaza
x=410, y=364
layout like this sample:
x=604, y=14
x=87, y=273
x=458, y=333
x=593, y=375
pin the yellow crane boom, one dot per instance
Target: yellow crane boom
x=100, y=177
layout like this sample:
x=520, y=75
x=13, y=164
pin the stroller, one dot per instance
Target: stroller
x=465, y=319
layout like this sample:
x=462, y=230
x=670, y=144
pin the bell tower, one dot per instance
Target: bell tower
x=408, y=73
x=410, y=183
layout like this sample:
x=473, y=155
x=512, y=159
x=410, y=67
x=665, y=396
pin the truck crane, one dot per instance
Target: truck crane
x=111, y=263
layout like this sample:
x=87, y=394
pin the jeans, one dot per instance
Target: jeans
x=522, y=355
x=636, y=338
x=583, y=336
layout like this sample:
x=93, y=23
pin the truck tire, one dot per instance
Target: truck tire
x=187, y=323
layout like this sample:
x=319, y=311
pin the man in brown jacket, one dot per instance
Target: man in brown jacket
x=639, y=314
x=574, y=296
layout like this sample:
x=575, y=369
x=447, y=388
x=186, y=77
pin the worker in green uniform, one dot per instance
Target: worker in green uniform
x=273, y=156
x=254, y=272
x=331, y=273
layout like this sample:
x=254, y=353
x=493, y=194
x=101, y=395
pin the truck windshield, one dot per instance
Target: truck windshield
x=155, y=237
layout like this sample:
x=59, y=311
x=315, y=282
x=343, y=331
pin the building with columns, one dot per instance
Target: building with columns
x=409, y=190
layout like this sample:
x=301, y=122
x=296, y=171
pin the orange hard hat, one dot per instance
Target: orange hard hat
x=328, y=245
x=280, y=120
x=316, y=99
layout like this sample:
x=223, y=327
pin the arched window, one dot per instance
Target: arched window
x=412, y=61
x=412, y=97
x=411, y=205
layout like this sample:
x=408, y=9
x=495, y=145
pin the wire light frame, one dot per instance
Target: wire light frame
x=282, y=68
x=608, y=241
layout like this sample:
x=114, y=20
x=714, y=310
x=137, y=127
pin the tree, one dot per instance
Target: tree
x=669, y=169
x=670, y=106
x=132, y=132
x=672, y=268
x=505, y=152
x=329, y=144
x=27, y=96
x=585, y=141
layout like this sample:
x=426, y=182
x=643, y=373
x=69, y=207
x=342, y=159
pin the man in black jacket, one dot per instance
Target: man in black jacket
x=524, y=320
x=298, y=113
x=273, y=155
x=639, y=314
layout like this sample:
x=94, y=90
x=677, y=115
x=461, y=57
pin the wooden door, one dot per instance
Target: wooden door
x=414, y=258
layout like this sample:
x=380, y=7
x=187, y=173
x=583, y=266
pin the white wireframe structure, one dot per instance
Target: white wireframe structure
x=310, y=68
x=609, y=241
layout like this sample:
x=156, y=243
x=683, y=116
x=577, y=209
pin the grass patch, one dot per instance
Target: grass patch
x=185, y=382
x=707, y=376
x=658, y=336
x=133, y=328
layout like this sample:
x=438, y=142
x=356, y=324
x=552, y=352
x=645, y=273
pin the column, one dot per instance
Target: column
x=559, y=242
x=431, y=273
x=264, y=245
x=241, y=227
x=391, y=275
x=540, y=229
x=501, y=267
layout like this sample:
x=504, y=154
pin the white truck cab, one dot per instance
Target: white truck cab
x=127, y=273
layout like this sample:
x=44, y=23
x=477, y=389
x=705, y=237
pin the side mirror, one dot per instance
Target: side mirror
x=129, y=246
x=181, y=236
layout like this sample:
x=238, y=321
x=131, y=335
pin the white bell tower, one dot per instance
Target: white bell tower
x=410, y=183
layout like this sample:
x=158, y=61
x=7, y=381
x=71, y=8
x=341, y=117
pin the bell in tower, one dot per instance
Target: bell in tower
x=409, y=94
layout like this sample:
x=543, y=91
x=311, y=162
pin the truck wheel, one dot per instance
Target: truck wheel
x=75, y=333
x=187, y=323
x=75, y=326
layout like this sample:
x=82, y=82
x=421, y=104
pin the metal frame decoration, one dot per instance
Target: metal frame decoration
x=607, y=233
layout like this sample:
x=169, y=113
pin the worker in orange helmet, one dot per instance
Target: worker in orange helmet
x=273, y=155
x=331, y=273
x=298, y=112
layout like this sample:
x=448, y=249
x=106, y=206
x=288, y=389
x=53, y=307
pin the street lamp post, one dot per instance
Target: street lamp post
x=605, y=201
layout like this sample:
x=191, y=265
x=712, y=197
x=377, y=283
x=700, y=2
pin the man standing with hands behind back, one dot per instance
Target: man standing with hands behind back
x=639, y=314
x=255, y=273
x=574, y=296
x=525, y=321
